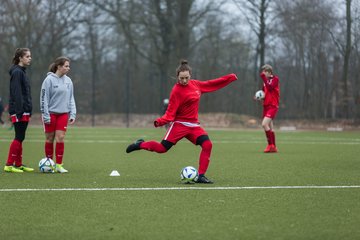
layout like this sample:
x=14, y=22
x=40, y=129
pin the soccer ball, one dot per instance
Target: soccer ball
x=46, y=165
x=259, y=95
x=189, y=174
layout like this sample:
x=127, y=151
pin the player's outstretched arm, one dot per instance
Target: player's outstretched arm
x=218, y=83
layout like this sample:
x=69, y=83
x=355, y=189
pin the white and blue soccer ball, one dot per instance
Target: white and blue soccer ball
x=46, y=165
x=259, y=95
x=189, y=174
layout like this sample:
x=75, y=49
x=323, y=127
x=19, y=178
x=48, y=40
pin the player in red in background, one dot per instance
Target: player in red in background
x=271, y=88
x=182, y=114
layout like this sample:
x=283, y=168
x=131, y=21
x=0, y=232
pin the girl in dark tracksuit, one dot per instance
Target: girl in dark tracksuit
x=20, y=108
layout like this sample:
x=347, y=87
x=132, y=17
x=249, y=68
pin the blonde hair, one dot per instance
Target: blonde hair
x=267, y=68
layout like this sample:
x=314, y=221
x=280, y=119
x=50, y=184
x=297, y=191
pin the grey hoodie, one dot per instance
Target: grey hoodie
x=57, y=96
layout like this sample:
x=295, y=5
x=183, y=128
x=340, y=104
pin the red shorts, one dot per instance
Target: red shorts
x=57, y=122
x=177, y=131
x=24, y=118
x=270, y=111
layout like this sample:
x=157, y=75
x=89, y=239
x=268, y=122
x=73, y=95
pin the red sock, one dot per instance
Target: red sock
x=268, y=136
x=59, y=151
x=49, y=150
x=18, y=160
x=205, y=156
x=153, y=147
x=273, y=137
x=14, y=152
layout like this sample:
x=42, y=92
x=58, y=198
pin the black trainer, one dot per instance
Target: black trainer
x=134, y=146
x=203, y=179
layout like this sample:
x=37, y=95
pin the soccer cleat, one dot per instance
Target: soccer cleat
x=25, y=168
x=203, y=179
x=12, y=169
x=60, y=169
x=273, y=149
x=267, y=149
x=134, y=146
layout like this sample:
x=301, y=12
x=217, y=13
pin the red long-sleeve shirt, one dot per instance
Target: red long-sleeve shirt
x=271, y=88
x=184, y=99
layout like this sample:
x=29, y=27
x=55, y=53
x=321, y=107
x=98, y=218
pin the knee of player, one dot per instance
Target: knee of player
x=204, y=141
x=166, y=146
x=265, y=125
x=207, y=145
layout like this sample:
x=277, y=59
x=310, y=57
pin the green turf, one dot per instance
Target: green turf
x=304, y=159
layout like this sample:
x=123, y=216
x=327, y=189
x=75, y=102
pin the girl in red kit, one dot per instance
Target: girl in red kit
x=270, y=105
x=182, y=115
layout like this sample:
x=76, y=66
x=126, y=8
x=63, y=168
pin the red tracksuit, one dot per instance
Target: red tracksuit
x=182, y=113
x=271, y=88
x=185, y=99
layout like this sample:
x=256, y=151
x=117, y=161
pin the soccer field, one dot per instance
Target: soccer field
x=309, y=190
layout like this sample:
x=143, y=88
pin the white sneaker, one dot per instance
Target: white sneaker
x=60, y=169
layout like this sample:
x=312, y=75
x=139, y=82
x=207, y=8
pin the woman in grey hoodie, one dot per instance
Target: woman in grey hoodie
x=57, y=105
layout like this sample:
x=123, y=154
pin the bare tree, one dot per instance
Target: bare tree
x=347, y=51
x=89, y=20
x=166, y=26
x=258, y=18
x=124, y=52
x=344, y=46
x=354, y=74
x=43, y=26
x=308, y=51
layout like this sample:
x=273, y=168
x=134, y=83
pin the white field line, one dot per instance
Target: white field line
x=176, y=188
x=356, y=142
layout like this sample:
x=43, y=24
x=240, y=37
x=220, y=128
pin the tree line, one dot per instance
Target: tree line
x=124, y=53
